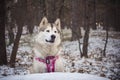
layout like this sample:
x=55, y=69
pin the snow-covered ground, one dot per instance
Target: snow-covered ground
x=95, y=65
x=55, y=76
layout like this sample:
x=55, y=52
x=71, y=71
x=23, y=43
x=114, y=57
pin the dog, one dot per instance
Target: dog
x=47, y=47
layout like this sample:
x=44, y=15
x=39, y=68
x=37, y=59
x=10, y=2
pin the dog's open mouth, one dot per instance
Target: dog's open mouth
x=50, y=41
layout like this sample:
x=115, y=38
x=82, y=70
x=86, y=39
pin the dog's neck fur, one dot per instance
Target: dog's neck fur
x=45, y=50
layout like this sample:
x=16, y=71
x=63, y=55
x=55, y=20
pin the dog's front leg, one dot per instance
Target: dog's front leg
x=59, y=66
x=39, y=67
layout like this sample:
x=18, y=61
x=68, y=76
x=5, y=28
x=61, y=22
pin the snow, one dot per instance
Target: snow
x=55, y=76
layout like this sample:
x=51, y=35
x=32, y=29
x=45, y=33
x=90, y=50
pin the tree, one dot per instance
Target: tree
x=9, y=22
x=30, y=17
x=10, y=33
x=75, y=19
x=53, y=9
x=65, y=13
x=50, y=10
x=94, y=14
x=106, y=26
x=3, y=57
x=87, y=28
x=15, y=47
x=117, y=15
x=106, y=41
x=19, y=14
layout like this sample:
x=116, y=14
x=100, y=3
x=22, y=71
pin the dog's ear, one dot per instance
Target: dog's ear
x=43, y=22
x=58, y=24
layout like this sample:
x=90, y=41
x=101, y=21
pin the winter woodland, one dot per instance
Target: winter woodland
x=90, y=38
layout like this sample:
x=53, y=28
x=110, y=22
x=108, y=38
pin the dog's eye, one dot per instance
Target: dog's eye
x=47, y=30
x=55, y=31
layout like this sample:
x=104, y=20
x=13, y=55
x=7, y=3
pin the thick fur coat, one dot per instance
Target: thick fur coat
x=47, y=43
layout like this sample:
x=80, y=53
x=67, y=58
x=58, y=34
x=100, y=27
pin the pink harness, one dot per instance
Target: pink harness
x=49, y=61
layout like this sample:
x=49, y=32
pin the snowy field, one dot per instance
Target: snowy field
x=93, y=68
x=55, y=76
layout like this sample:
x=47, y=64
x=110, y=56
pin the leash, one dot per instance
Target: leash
x=49, y=61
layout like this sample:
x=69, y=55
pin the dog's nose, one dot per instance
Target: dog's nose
x=53, y=36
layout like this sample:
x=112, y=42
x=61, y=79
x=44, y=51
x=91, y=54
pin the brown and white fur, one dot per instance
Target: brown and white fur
x=47, y=43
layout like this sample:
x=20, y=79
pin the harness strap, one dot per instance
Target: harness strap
x=49, y=61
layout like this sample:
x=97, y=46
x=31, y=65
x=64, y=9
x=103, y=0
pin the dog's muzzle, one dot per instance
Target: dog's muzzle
x=52, y=40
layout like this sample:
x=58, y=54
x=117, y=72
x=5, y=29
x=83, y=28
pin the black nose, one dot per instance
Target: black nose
x=53, y=36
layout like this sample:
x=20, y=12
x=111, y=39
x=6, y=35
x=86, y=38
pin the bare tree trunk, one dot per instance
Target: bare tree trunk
x=10, y=35
x=9, y=22
x=3, y=57
x=74, y=20
x=80, y=47
x=94, y=19
x=106, y=24
x=106, y=41
x=117, y=15
x=43, y=8
x=61, y=8
x=19, y=14
x=87, y=29
x=30, y=16
x=75, y=25
x=15, y=47
x=50, y=10
x=85, y=42
x=76, y=32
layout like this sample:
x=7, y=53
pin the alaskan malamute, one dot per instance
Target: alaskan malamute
x=47, y=47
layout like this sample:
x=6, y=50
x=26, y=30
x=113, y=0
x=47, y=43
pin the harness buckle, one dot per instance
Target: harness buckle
x=47, y=61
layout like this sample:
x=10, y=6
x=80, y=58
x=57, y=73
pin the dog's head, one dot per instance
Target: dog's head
x=49, y=33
